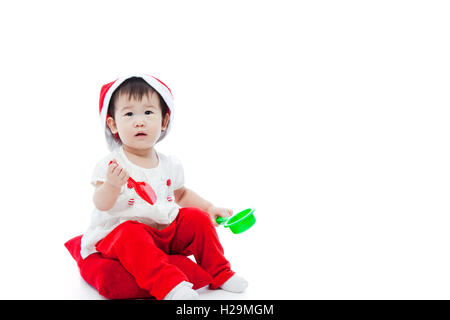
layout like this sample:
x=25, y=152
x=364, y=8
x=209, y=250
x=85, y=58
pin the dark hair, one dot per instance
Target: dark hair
x=135, y=87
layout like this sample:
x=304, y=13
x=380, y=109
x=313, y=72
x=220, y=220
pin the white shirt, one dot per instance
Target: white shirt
x=164, y=179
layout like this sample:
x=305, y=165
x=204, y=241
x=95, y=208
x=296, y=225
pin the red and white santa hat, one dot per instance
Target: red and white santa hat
x=107, y=91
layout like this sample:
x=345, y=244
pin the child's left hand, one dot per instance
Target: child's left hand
x=215, y=212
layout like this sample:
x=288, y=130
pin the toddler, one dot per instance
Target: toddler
x=136, y=112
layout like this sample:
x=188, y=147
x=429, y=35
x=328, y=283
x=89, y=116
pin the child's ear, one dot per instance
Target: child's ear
x=165, y=121
x=111, y=125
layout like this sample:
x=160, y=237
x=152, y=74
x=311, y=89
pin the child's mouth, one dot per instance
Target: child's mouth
x=140, y=134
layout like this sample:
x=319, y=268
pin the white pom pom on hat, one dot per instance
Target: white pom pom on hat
x=107, y=91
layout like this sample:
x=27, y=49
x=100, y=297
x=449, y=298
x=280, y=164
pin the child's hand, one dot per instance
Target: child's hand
x=116, y=175
x=215, y=212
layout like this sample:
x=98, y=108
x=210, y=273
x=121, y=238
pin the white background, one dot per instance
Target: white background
x=331, y=118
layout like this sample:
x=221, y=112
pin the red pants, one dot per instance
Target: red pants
x=142, y=250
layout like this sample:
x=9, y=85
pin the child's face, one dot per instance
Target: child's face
x=139, y=123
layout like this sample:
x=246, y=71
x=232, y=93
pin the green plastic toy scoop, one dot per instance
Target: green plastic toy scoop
x=239, y=222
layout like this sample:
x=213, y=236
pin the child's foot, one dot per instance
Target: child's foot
x=182, y=291
x=235, y=284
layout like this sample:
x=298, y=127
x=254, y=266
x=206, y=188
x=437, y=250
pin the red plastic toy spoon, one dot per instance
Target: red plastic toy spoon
x=143, y=189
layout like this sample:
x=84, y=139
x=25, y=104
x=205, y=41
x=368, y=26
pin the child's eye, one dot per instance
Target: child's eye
x=148, y=112
x=129, y=114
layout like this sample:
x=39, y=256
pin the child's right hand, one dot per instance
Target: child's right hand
x=116, y=175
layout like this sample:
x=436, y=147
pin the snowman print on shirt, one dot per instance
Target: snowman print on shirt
x=131, y=200
x=170, y=195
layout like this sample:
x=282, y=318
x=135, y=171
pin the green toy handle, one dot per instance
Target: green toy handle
x=221, y=220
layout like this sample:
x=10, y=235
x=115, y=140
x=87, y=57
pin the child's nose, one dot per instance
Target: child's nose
x=139, y=122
